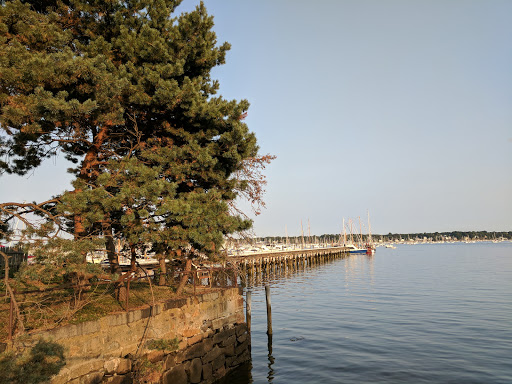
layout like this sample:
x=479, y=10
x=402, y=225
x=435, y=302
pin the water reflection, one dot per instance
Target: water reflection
x=426, y=314
x=273, y=275
x=356, y=271
x=271, y=360
x=359, y=268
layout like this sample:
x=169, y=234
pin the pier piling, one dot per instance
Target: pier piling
x=269, y=310
x=248, y=304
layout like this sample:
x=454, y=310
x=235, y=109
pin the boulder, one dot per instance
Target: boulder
x=229, y=341
x=207, y=372
x=212, y=355
x=223, y=335
x=218, y=362
x=241, y=329
x=195, y=371
x=176, y=375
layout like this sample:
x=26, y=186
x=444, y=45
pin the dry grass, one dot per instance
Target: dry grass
x=51, y=308
x=54, y=306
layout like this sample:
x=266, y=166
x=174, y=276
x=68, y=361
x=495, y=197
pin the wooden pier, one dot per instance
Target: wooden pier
x=281, y=262
x=256, y=269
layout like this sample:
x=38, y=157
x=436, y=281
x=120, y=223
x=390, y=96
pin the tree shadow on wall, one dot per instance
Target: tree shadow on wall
x=37, y=365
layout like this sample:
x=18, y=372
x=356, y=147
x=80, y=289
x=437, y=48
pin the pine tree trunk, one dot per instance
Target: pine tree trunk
x=133, y=266
x=115, y=268
x=185, y=276
x=121, y=292
x=88, y=163
x=113, y=258
x=163, y=270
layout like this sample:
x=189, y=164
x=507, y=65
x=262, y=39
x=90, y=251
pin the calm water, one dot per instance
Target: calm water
x=439, y=313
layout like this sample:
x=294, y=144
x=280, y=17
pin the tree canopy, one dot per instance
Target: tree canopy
x=123, y=89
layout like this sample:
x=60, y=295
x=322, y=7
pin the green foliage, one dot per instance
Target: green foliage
x=147, y=372
x=123, y=89
x=37, y=365
x=163, y=344
x=453, y=235
x=53, y=268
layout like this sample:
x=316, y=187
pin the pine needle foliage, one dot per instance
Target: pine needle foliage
x=123, y=89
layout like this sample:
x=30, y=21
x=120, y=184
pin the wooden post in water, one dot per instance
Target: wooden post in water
x=248, y=304
x=269, y=310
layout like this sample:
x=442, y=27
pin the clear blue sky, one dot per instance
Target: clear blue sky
x=402, y=108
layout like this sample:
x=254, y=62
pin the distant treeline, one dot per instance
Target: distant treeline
x=454, y=235
x=435, y=236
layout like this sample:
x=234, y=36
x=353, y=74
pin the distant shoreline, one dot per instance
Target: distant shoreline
x=455, y=236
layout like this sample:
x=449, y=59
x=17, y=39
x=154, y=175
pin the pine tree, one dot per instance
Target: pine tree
x=123, y=89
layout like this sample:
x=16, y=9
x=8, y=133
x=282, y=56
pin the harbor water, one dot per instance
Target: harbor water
x=432, y=313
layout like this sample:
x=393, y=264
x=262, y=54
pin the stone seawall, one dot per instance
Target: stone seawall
x=208, y=331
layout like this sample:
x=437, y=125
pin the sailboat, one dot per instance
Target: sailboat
x=350, y=247
x=353, y=249
x=368, y=248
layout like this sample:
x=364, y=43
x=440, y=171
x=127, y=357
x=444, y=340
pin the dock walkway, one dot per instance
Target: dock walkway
x=285, y=260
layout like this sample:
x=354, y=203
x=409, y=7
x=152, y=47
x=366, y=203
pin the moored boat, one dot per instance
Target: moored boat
x=353, y=249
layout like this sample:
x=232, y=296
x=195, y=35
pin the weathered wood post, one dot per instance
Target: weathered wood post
x=11, y=319
x=248, y=304
x=269, y=310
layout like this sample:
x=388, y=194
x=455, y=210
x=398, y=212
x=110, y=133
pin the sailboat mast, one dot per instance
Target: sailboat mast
x=302, y=234
x=370, y=242
x=344, y=233
x=360, y=232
